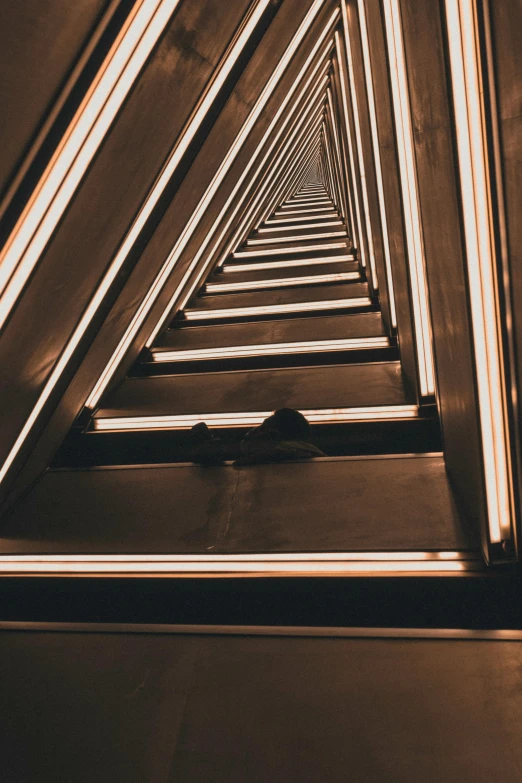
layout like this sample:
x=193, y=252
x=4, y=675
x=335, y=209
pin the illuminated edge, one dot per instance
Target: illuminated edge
x=285, y=250
x=269, y=229
x=251, y=267
x=252, y=419
x=271, y=349
x=338, y=563
x=298, y=307
x=281, y=282
x=297, y=238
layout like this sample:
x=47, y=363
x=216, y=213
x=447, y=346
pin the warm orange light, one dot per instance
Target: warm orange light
x=252, y=418
x=269, y=229
x=283, y=250
x=412, y=218
x=63, y=175
x=291, y=223
x=350, y=563
x=377, y=157
x=297, y=307
x=78, y=147
x=481, y=267
x=295, y=238
x=281, y=282
x=262, y=265
x=160, y=280
x=270, y=349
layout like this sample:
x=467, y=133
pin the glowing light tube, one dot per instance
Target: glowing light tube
x=299, y=307
x=288, y=224
x=281, y=282
x=295, y=238
x=262, y=265
x=358, y=142
x=481, y=269
x=269, y=229
x=283, y=250
x=303, y=212
x=270, y=349
x=412, y=219
x=363, y=563
x=252, y=419
x=155, y=290
x=78, y=147
x=114, y=81
x=358, y=225
x=377, y=157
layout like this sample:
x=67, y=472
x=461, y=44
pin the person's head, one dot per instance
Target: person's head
x=289, y=423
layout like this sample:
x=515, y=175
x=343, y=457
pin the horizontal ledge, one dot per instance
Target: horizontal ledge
x=442, y=634
x=275, y=557
x=298, y=238
x=269, y=349
x=284, y=250
x=298, y=220
x=335, y=277
x=304, y=211
x=251, y=267
x=115, y=567
x=298, y=307
x=252, y=418
x=308, y=201
x=276, y=229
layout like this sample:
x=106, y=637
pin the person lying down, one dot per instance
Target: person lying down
x=285, y=435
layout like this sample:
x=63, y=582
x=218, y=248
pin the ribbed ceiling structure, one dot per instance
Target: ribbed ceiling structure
x=170, y=139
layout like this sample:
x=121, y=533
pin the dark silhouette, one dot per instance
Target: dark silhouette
x=285, y=435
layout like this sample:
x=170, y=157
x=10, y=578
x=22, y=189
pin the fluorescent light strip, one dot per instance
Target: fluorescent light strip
x=127, y=76
x=290, y=157
x=290, y=165
x=350, y=218
x=242, y=178
x=152, y=565
x=412, y=219
x=272, y=223
x=121, y=82
x=298, y=238
x=271, y=229
x=252, y=419
x=234, y=241
x=270, y=349
x=306, y=126
x=298, y=200
x=332, y=172
x=78, y=147
x=283, y=250
x=338, y=149
x=296, y=557
x=59, y=102
x=300, y=307
x=358, y=145
x=313, y=81
x=251, y=267
x=317, y=202
x=330, y=142
x=480, y=243
x=281, y=282
x=351, y=152
x=160, y=280
x=296, y=162
x=279, y=213
x=377, y=157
